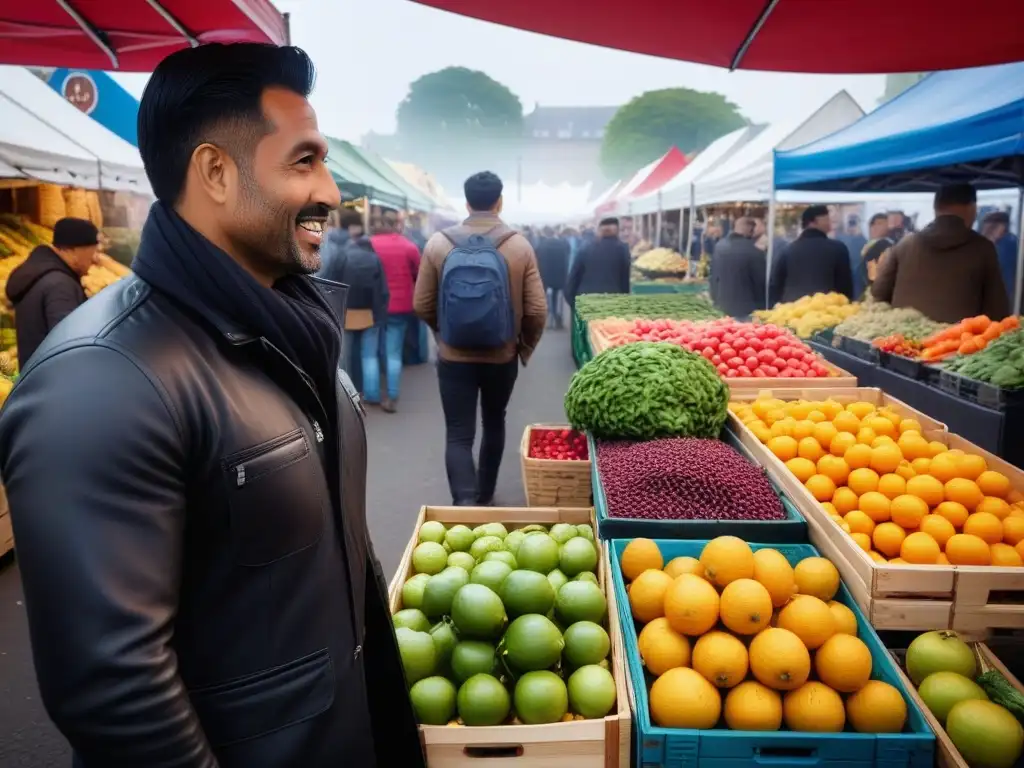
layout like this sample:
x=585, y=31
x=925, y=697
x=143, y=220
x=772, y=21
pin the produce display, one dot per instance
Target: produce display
x=737, y=350
x=746, y=638
x=646, y=390
x=505, y=627
x=877, y=319
x=642, y=247
x=674, y=306
x=1001, y=363
x=558, y=444
x=981, y=713
x=684, y=479
x=810, y=314
x=966, y=337
x=903, y=498
x=898, y=344
x=662, y=260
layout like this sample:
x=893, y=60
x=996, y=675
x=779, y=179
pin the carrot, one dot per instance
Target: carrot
x=978, y=324
x=993, y=332
x=1009, y=323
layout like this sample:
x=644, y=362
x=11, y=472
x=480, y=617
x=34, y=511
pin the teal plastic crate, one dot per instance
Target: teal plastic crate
x=721, y=748
x=792, y=530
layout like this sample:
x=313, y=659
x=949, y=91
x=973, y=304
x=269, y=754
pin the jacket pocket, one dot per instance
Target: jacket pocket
x=274, y=499
x=264, y=702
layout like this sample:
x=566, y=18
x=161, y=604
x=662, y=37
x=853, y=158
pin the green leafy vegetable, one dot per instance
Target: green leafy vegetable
x=629, y=306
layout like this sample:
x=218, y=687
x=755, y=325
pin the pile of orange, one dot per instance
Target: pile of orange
x=905, y=499
x=747, y=638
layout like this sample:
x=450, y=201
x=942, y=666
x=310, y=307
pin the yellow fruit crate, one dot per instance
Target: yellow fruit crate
x=552, y=482
x=603, y=743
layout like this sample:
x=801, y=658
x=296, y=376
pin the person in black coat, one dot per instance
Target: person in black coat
x=47, y=287
x=602, y=266
x=813, y=263
x=553, y=262
x=738, y=272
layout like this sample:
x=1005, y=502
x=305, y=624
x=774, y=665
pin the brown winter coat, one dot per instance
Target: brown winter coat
x=528, y=298
x=947, y=271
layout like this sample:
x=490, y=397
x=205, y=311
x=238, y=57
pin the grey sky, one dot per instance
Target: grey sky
x=367, y=53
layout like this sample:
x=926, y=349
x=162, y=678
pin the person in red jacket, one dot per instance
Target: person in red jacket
x=401, y=260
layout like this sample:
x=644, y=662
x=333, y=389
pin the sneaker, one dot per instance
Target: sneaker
x=388, y=406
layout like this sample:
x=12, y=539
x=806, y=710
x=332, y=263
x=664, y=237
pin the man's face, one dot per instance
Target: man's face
x=896, y=220
x=879, y=228
x=609, y=230
x=80, y=259
x=759, y=227
x=284, y=194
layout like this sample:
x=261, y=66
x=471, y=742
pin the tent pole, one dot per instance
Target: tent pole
x=770, y=233
x=1018, y=283
x=657, y=225
x=683, y=226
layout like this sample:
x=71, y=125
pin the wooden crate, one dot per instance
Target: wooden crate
x=554, y=483
x=601, y=743
x=969, y=599
x=946, y=754
x=6, y=531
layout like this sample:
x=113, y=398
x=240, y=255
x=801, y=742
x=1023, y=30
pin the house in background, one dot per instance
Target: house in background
x=563, y=144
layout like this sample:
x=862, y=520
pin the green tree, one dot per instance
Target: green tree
x=653, y=122
x=456, y=104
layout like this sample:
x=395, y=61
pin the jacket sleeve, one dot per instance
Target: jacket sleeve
x=885, y=278
x=777, y=281
x=424, y=301
x=100, y=547
x=626, y=266
x=995, y=300
x=61, y=297
x=572, y=284
x=844, y=272
x=382, y=295
x=535, y=306
x=759, y=278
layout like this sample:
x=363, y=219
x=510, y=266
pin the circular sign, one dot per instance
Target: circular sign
x=80, y=90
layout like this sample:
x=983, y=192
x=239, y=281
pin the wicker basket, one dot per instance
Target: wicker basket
x=554, y=483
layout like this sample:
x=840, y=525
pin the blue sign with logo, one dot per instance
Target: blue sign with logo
x=99, y=96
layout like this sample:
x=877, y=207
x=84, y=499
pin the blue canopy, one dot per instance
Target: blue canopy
x=961, y=125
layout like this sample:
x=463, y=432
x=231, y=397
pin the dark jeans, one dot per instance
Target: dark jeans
x=462, y=384
x=556, y=297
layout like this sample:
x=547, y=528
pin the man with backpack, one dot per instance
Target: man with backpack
x=479, y=289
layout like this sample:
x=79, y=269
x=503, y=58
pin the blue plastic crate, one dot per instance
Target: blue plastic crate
x=721, y=748
x=792, y=530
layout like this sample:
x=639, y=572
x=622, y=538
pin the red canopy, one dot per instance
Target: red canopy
x=127, y=35
x=646, y=181
x=828, y=36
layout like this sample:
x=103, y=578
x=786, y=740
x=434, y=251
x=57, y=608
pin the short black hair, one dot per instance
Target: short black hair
x=609, y=221
x=482, y=190
x=955, y=194
x=812, y=212
x=879, y=217
x=350, y=217
x=211, y=94
x=75, y=233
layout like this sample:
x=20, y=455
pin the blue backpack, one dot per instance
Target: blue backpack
x=475, y=298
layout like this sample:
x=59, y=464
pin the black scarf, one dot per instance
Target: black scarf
x=293, y=316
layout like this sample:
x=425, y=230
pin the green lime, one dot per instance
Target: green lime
x=532, y=642
x=412, y=618
x=433, y=531
x=527, y=592
x=587, y=576
x=504, y=556
x=490, y=573
x=538, y=552
x=485, y=544
x=483, y=700
x=577, y=556
x=459, y=538
x=580, y=601
x=447, y=547
x=585, y=531
x=557, y=579
x=419, y=657
x=429, y=557
x=444, y=642
x=513, y=540
x=586, y=643
x=472, y=657
x=462, y=560
x=591, y=691
x=541, y=697
x=477, y=612
x=438, y=594
x=562, y=532
x=412, y=591
x=433, y=700
x=494, y=529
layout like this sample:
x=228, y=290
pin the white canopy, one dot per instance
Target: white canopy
x=746, y=176
x=42, y=136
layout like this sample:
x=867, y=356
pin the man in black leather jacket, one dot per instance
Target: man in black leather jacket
x=186, y=466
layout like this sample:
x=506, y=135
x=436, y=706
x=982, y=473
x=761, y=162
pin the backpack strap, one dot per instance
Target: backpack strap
x=460, y=236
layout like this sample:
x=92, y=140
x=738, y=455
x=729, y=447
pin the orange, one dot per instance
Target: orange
x=802, y=429
x=985, y=526
x=875, y=505
x=926, y=488
x=816, y=416
x=861, y=409
x=1006, y=556
x=964, y=491
x=942, y=559
x=638, y=556
x=897, y=561
x=921, y=466
x=808, y=618
x=834, y=467
x=843, y=663
x=860, y=523
x=831, y=408
x=882, y=440
x=953, y=511
x=772, y=569
x=857, y=456
x=774, y=415
x=647, y=595
x=878, y=557
x=761, y=431
x=863, y=541
x=662, y=648
x=841, y=443
x=745, y=608
x=818, y=577
x=944, y=467
x=910, y=425
x=876, y=708
x=802, y=468
x=994, y=483
x=995, y=506
x=913, y=446
x=891, y=415
x=779, y=659
x=682, y=698
x=821, y=487
x=824, y=433
x=677, y=566
x=726, y=559
x=938, y=527
x=783, y=428
x=691, y=605
x=880, y=425
x=846, y=422
x=1020, y=548
x=866, y=436
x=905, y=470
x=808, y=448
x=862, y=480
x=721, y=658
x=799, y=409
x=936, y=447
x=919, y=549
x=1013, y=530
x=972, y=466
x=784, y=447
x=885, y=458
x=966, y=549
x=830, y=508
x=844, y=500
x=892, y=485
x=888, y=538
x=908, y=511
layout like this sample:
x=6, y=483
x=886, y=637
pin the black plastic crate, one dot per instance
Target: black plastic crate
x=979, y=392
x=904, y=366
x=862, y=350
